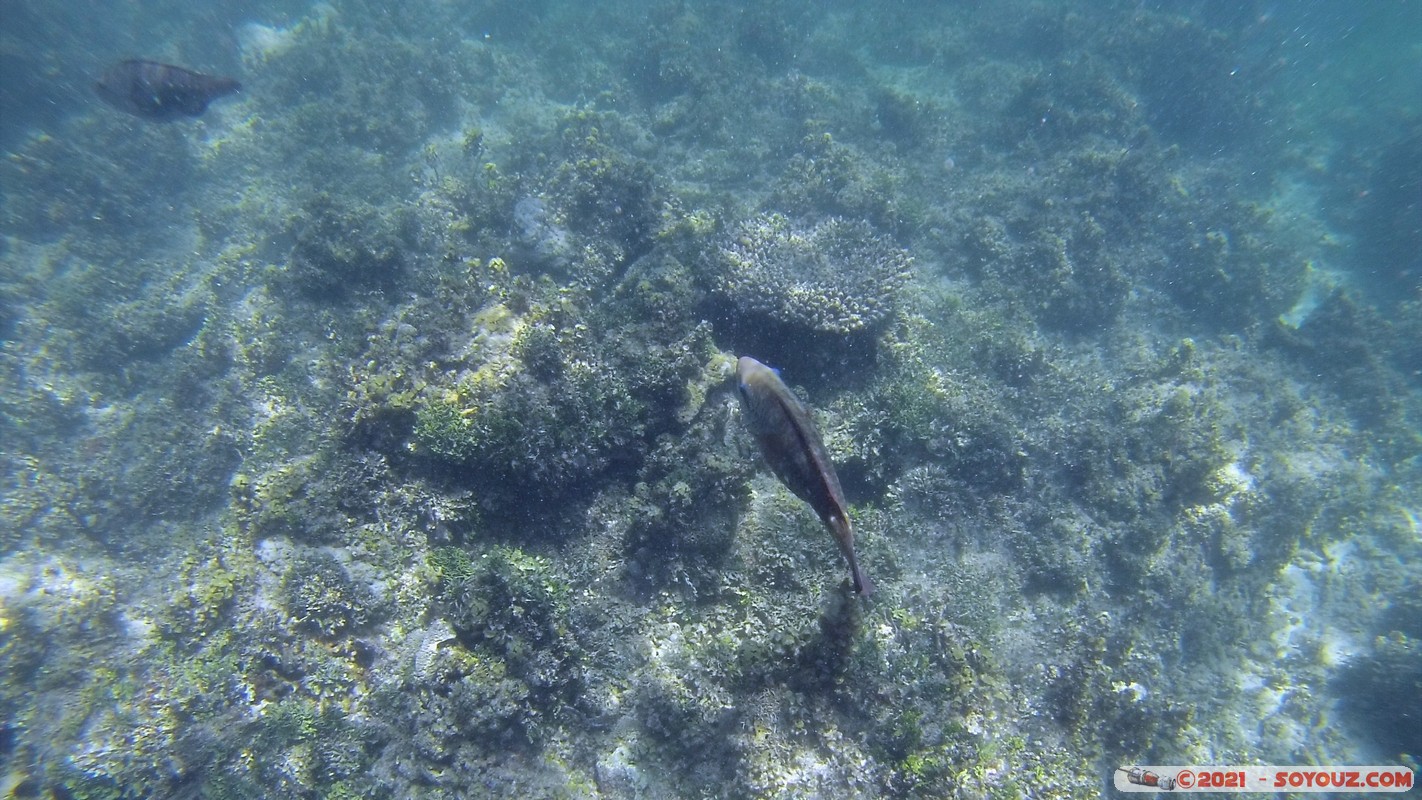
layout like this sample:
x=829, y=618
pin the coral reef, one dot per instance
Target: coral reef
x=837, y=276
x=375, y=434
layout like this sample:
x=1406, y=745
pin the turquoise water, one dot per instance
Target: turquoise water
x=373, y=434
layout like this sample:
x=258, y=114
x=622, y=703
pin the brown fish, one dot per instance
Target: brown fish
x=791, y=445
x=160, y=92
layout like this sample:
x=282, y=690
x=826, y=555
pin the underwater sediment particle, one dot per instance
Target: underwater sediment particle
x=836, y=277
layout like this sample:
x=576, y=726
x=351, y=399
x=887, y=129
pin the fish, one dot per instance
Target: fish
x=792, y=446
x=160, y=92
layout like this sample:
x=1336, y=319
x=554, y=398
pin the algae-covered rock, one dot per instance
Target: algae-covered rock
x=685, y=504
x=579, y=393
x=344, y=246
x=543, y=434
x=514, y=605
x=321, y=595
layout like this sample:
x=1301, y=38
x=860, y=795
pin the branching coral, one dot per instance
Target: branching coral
x=835, y=277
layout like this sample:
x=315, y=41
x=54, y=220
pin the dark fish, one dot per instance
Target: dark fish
x=790, y=443
x=160, y=92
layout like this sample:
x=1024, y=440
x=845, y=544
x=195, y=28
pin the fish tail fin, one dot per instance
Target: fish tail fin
x=862, y=585
x=844, y=534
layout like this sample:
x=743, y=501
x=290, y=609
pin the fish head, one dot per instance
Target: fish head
x=765, y=398
x=755, y=382
x=751, y=373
